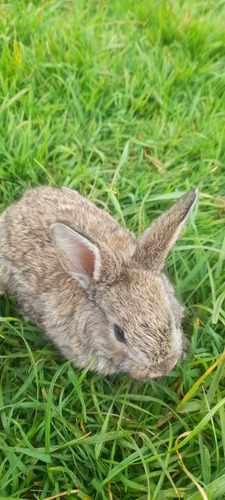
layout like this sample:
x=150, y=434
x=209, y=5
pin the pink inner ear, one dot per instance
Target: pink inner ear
x=80, y=253
x=87, y=260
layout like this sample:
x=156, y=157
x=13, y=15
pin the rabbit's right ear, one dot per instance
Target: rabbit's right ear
x=80, y=258
x=156, y=241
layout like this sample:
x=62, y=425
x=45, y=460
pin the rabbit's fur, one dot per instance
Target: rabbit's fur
x=98, y=293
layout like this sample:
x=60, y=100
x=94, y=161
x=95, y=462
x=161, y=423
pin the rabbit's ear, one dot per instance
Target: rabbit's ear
x=79, y=257
x=156, y=241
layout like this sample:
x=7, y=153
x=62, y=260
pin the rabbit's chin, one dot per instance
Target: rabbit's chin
x=106, y=366
x=146, y=373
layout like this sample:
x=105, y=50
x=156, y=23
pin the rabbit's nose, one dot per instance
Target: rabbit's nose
x=170, y=363
x=164, y=367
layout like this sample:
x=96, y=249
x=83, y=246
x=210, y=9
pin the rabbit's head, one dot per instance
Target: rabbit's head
x=133, y=320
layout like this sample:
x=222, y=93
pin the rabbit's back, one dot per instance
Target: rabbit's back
x=25, y=238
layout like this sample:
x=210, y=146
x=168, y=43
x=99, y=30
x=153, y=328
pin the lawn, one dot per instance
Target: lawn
x=125, y=102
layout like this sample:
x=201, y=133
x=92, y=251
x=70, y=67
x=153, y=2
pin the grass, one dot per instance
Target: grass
x=123, y=101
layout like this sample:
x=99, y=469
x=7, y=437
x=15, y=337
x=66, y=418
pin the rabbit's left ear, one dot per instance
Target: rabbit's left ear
x=81, y=258
x=156, y=241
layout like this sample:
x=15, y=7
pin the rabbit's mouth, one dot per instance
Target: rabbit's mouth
x=145, y=372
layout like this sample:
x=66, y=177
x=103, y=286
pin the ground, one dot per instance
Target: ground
x=123, y=101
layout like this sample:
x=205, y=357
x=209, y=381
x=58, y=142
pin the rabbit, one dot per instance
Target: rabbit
x=97, y=291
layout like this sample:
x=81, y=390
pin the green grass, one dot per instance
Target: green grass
x=124, y=101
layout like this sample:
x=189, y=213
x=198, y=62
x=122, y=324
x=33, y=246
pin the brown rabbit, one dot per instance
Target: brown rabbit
x=97, y=292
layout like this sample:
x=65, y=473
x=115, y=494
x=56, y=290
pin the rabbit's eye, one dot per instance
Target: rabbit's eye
x=119, y=334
